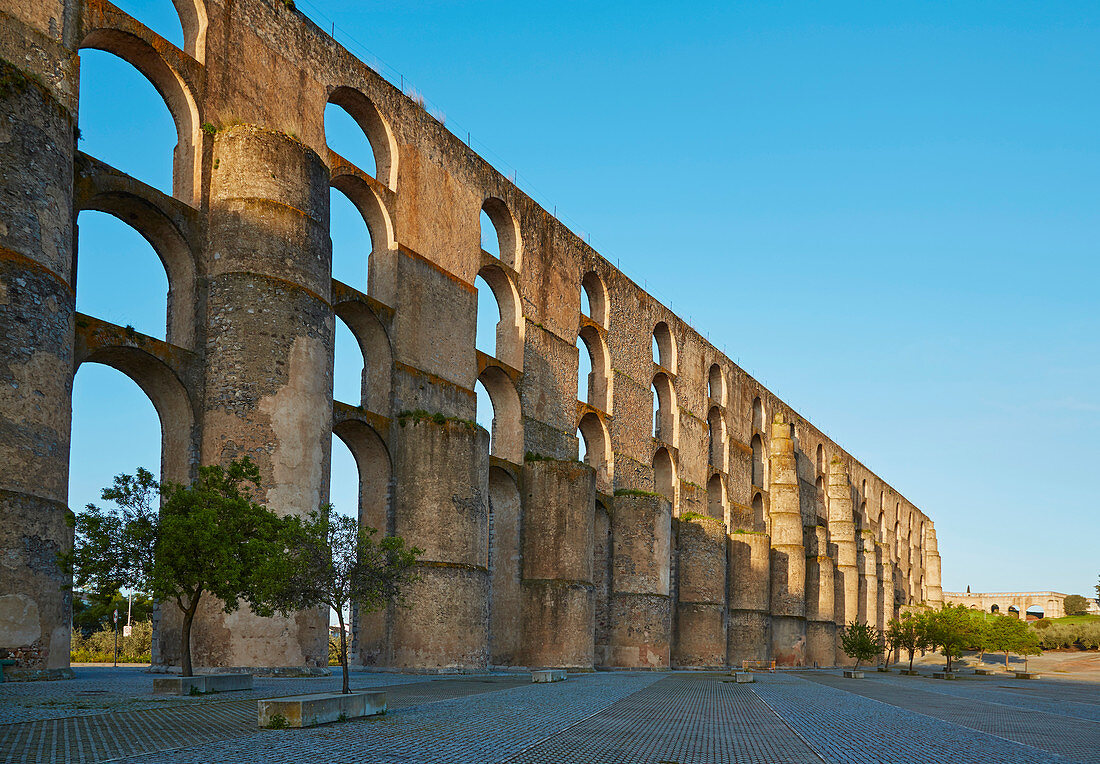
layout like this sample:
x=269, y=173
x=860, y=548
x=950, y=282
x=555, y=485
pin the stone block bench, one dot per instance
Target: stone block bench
x=907, y=672
x=548, y=675
x=311, y=710
x=184, y=685
x=944, y=675
x=743, y=677
x=1027, y=675
x=985, y=672
x=853, y=674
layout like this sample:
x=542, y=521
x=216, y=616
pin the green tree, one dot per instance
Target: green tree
x=860, y=641
x=208, y=538
x=327, y=559
x=979, y=634
x=1028, y=644
x=1005, y=632
x=1075, y=604
x=950, y=630
x=908, y=633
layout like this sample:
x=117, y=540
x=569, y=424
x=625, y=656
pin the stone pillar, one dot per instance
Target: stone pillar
x=441, y=506
x=559, y=506
x=842, y=538
x=788, y=555
x=37, y=303
x=886, y=586
x=749, y=598
x=820, y=599
x=867, y=562
x=932, y=573
x=700, y=639
x=269, y=355
x=641, y=531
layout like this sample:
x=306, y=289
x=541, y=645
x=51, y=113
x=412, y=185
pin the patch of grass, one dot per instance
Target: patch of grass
x=1075, y=619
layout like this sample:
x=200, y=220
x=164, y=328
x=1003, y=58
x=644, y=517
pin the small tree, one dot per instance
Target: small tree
x=908, y=633
x=980, y=635
x=205, y=538
x=1028, y=644
x=860, y=641
x=1075, y=604
x=1011, y=635
x=950, y=629
x=326, y=559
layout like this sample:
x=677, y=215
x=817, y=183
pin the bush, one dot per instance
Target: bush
x=1062, y=636
x=100, y=645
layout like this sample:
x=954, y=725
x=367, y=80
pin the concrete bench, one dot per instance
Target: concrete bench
x=907, y=672
x=853, y=674
x=183, y=685
x=548, y=675
x=944, y=675
x=985, y=672
x=1027, y=675
x=5, y=662
x=311, y=710
x=743, y=677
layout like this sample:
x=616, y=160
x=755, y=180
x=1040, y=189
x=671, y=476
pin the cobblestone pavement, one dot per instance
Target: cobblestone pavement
x=624, y=717
x=967, y=704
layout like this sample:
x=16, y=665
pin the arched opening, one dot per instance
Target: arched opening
x=716, y=385
x=819, y=460
x=861, y=517
x=108, y=250
x=759, y=520
x=594, y=372
x=664, y=347
x=352, y=241
x=664, y=419
x=758, y=461
x=716, y=431
x=1013, y=611
x=664, y=476
x=375, y=358
x=716, y=498
x=372, y=478
x=506, y=427
x=595, y=450
x=344, y=500
x=116, y=90
x=350, y=117
x=757, y=415
x=995, y=609
x=821, y=497
x=1034, y=612
x=500, y=233
x=348, y=366
x=897, y=540
x=505, y=606
x=499, y=318
x=594, y=303
x=161, y=16
x=141, y=145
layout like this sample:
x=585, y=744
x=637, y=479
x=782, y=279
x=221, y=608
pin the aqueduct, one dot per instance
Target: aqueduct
x=715, y=526
x=1018, y=604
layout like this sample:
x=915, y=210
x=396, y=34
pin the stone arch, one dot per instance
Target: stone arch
x=379, y=228
x=193, y=19
x=759, y=516
x=994, y=608
x=822, y=496
x=597, y=447
x=819, y=460
x=599, y=380
x=509, y=339
x=716, y=498
x=377, y=354
x=1034, y=611
x=759, y=461
x=507, y=435
x=757, y=415
x=716, y=384
x=664, y=475
x=506, y=596
x=716, y=432
x=169, y=397
x=171, y=246
x=664, y=422
x=177, y=96
x=509, y=241
x=598, y=305
x=374, y=127
x=666, y=347
x=372, y=460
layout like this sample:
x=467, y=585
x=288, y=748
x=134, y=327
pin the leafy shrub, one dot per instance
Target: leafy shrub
x=100, y=645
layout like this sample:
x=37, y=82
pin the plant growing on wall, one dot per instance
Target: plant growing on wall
x=327, y=559
x=207, y=538
x=860, y=641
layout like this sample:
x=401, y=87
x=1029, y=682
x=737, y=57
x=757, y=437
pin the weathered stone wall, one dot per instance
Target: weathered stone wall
x=531, y=557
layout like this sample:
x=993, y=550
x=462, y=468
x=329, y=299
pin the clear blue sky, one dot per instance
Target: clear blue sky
x=886, y=212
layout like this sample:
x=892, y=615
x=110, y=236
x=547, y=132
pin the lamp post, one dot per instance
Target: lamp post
x=114, y=618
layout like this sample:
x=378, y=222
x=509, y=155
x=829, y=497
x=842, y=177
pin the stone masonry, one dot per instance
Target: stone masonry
x=734, y=529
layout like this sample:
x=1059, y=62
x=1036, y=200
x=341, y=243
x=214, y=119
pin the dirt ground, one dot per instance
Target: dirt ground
x=1079, y=665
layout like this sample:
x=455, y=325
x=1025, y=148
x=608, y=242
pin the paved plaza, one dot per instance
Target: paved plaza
x=109, y=714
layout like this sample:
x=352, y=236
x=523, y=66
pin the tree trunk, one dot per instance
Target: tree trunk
x=185, y=637
x=910, y=660
x=1006, y=660
x=343, y=652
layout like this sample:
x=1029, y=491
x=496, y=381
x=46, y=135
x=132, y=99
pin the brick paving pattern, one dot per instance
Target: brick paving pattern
x=624, y=717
